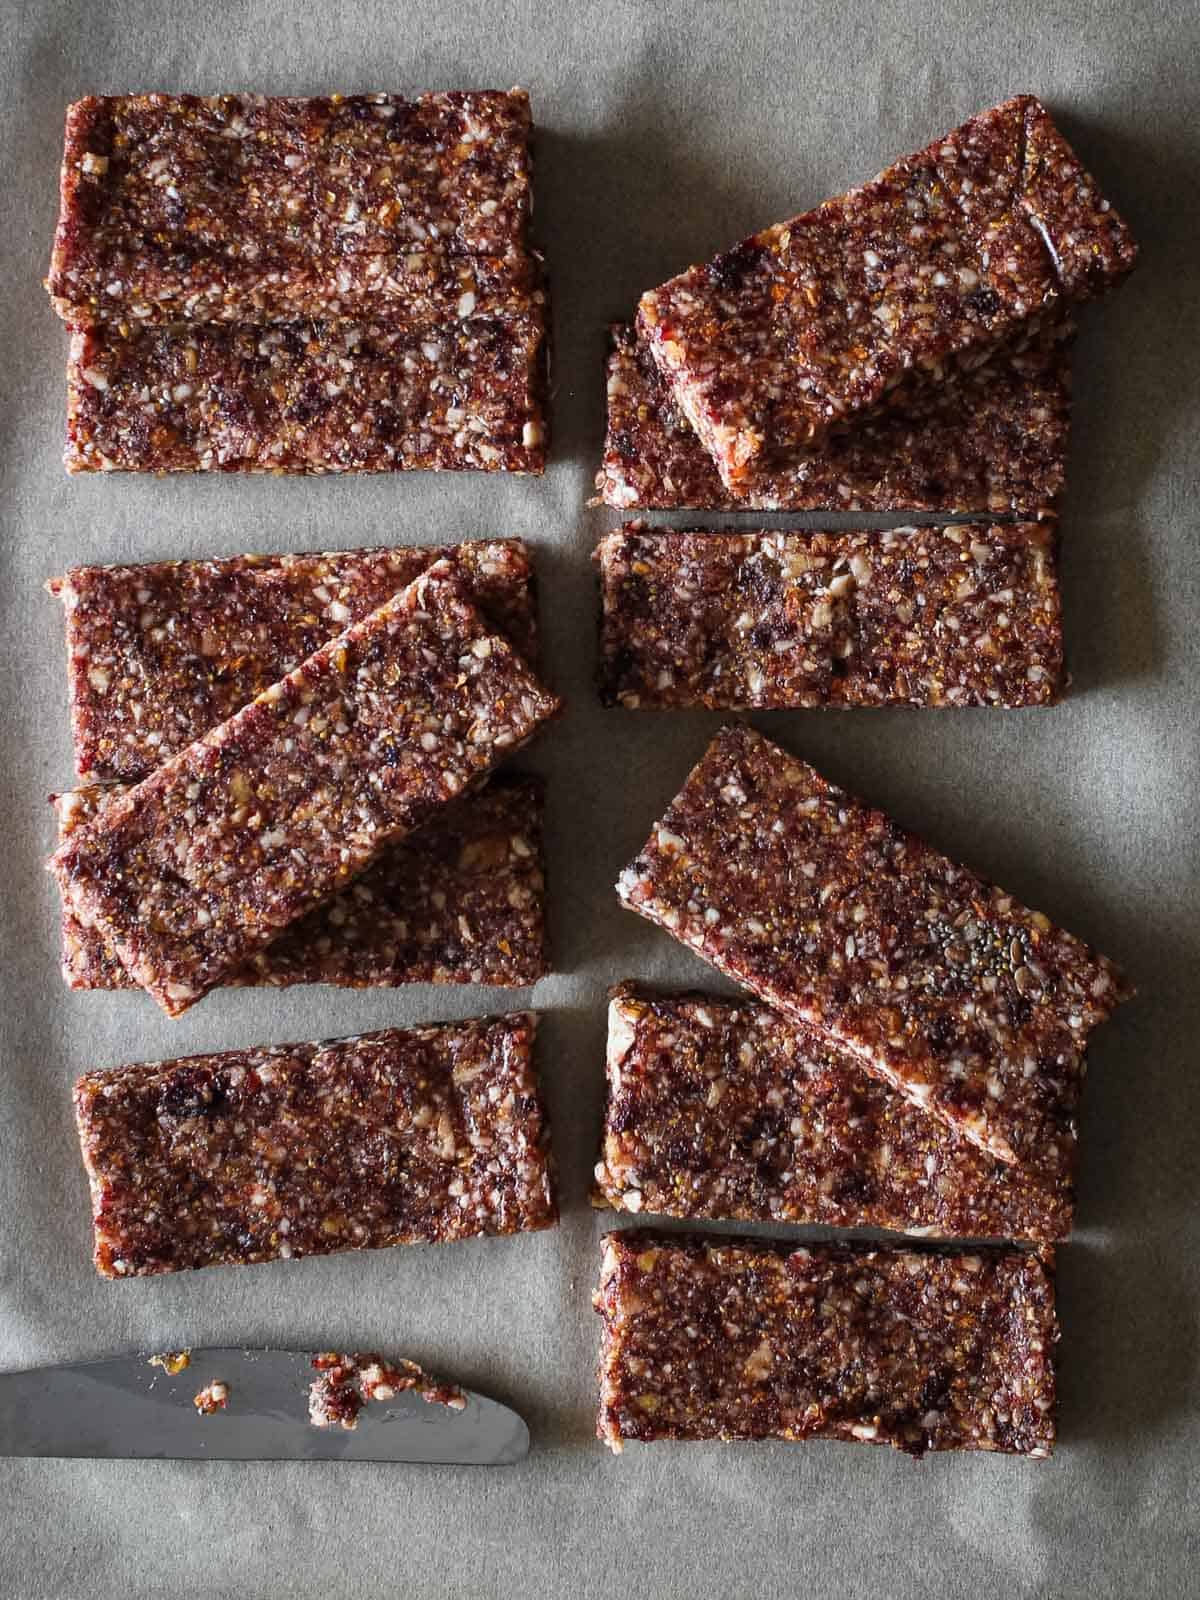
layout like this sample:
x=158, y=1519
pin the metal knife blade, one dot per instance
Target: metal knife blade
x=126, y=1407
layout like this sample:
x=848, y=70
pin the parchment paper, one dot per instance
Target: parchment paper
x=666, y=131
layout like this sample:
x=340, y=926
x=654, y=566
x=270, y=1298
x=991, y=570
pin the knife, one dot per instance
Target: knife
x=126, y=1406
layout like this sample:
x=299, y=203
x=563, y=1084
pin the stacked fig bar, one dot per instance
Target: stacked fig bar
x=912, y=1060
x=340, y=284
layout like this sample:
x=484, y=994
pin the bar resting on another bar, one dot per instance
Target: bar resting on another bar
x=992, y=439
x=724, y=1111
x=209, y=859
x=962, y=999
x=725, y=1338
x=460, y=901
x=160, y=652
x=410, y=1136
x=955, y=616
x=810, y=325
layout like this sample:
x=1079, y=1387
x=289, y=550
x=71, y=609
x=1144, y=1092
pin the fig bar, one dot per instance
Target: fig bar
x=160, y=652
x=991, y=439
x=244, y=208
x=410, y=1136
x=209, y=859
x=744, y=1339
x=462, y=901
x=955, y=616
x=722, y=1110
x=950, y=990
x=815, y=322
x=308, y=397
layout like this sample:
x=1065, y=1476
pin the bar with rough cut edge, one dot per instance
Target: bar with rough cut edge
x=461, y=901
x=746, y=1339
x=721, y=1110
x=244, y=208
x=814, y=323
x=308, y=398
x=410, y=1136
x=212, y=857
x=160, y=652
x=963, y=615
x=993, y=439
x=949, y=989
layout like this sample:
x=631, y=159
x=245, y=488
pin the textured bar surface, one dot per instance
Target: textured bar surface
x=727, y=1338
x=245, y=208
x=955, y=616
x=461, y=901
x=813, y=323
x=410, y=1136
x=209, y=859
x=992, y=439
x=158, y=653
x=309, y=398
x=944, y=986
x=724, y=1111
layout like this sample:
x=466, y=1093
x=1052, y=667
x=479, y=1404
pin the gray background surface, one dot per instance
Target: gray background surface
x=666, y=131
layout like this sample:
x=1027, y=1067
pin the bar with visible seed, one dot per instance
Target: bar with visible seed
x=246, y=208
x=460, y=901
x=160, y=652
x=949, y=989
x=747, y=1339
x=410, y=1136
x=992, y=439
x=315, y=397
x=260, y=821
x=811, y=325
x=721, y=1110
x=956, y=616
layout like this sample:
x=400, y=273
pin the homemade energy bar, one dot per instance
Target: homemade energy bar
x=956, y=616
x=310, y=397
x=243, y=208
x=160, y=652
x=461, y=901
x=950, y=990
x=409, y=1136
x=721, y=1110
x=813, y=323
x=209, y=859
x=726, y=1338
x=991, y=439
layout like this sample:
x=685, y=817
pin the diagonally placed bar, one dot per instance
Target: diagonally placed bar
x=723, y=1111
x=745, y=1339
x=992, y=439
x=947, y=988
x=160, y=652
x=954, y=616
x=811, y=324
x=461, y=901
x=245, y=208
x=209, y=859
x=411, y=1136
x=315, y=397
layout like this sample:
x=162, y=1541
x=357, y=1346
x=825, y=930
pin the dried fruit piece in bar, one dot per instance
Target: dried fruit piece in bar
x=410, y=1136
x=954, y=616
x=724, y=1111
x=460, y=901
x=244, y=208
x=962, y=999
x=748, y=1339
x=812, y=324
x=993, y=438
x=209, y=859
x=160, y=652
x=309, y=398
